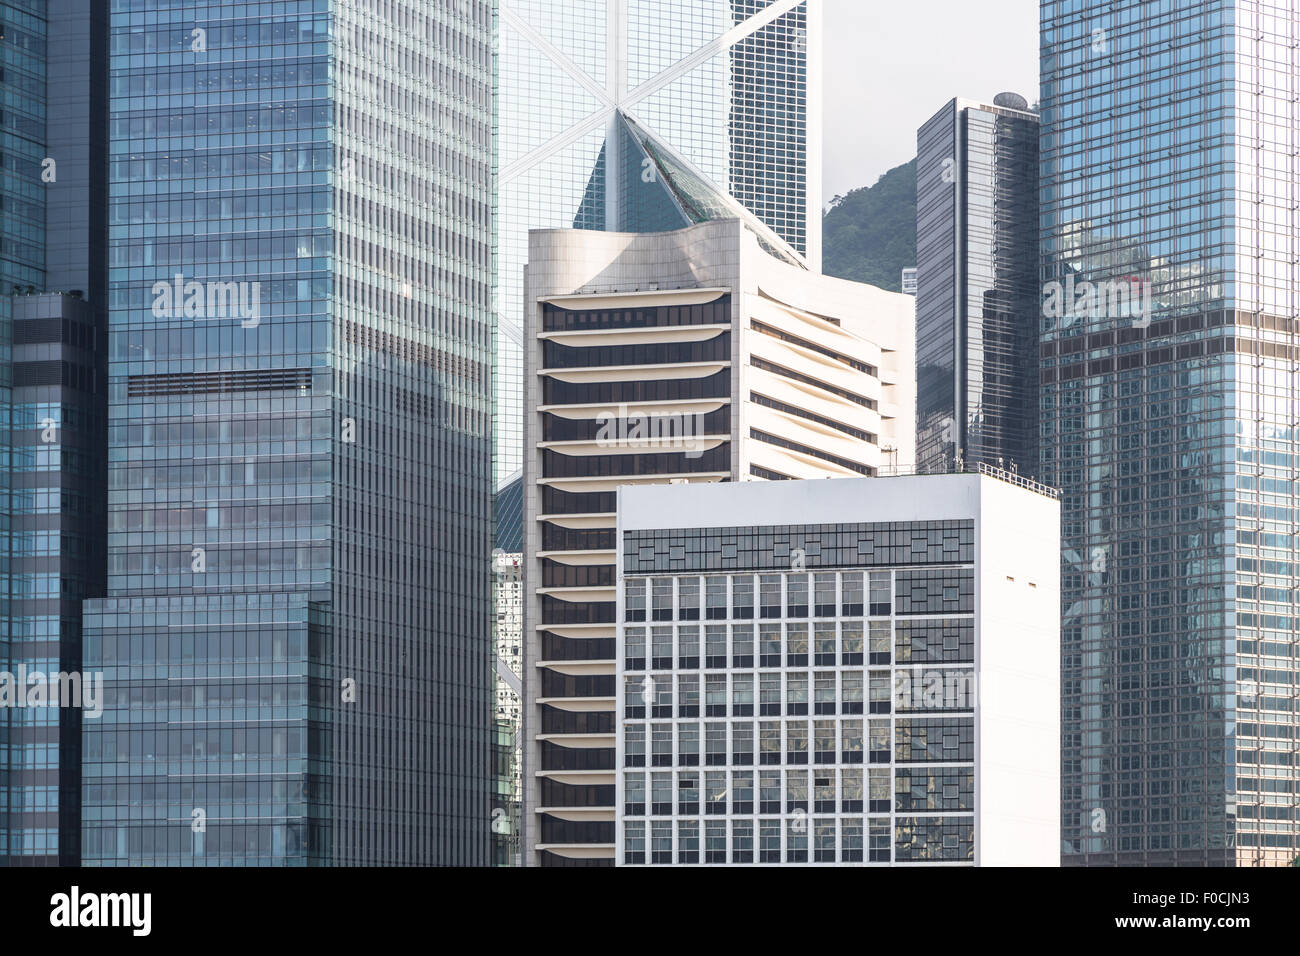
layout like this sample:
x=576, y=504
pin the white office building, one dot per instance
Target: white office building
x=685, y=356
x=847, y=672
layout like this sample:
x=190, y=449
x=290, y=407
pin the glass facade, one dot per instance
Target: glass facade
x=976, y=283
x=798, y=695
x=618, y=115
x=52, y=402
x=30, y=754
x=297, y=633
x=1169, y=408
x=507, y=806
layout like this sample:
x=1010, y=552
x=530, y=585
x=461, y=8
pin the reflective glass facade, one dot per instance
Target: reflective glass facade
x=297, y=633
x=1168, y=169
x=52, y=339
x=977, y=287
x=638, y=116
x=768, y=716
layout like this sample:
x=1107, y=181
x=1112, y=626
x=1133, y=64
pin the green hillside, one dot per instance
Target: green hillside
x=869, y=235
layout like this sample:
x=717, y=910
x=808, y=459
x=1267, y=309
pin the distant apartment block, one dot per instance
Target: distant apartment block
x=838, y=673
x=685, y=356
x=977, y=301
x=908, y=281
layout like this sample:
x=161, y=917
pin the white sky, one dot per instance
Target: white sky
x=890, y=65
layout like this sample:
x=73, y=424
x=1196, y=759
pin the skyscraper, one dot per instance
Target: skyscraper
x=798, y=664
x=688, y=356
x=647, y=116
x=1171, y=420
x=297, y=635
x=977, y=285
x=53, y=273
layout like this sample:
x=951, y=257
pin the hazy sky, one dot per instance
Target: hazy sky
x=890, y=65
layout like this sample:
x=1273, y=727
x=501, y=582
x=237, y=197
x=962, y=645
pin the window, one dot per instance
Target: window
x=634, y=745
x=662, y=598
x=796, y=693
x=851, y=742
x=824, y=595
x=770, y=595
x=742, y=645
x=634, y=795
x=824, y=741
x=688, y=746
x=851, y=790
x=715, y=598
x=715, y=793
x=715, y=744
x=715, y=646
x=634, y=648
x=851, y=594
x=742, y=841
x=742, y=743
x=634, y=842
x=769, y=695
x=661, y=648
x=715, y=695
x=661, y=794
x=796, y=645
x=851, y=692
x=796, y=594
x=769, y=645
x=796, y=741
x=688, y=695
x=824, y=701
x=661, y=745
x=742, y=596
x=881, y=594
x=688, y=599
x=688, y=646
x=634, y=599
x=881, y=642
x=742, y=695
x=688, y=793
x=742, y=792
x=824, y=644
x=634, y=706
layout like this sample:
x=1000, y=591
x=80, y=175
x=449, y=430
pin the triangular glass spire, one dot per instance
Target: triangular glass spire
x=660, y=190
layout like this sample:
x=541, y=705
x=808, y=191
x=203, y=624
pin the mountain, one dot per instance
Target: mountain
x=869, y=235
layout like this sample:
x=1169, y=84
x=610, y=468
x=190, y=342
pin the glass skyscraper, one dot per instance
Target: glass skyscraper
x=1170, y=376
x=296, y=639
x=52, y=404
x=647, y=116
x=976, y=281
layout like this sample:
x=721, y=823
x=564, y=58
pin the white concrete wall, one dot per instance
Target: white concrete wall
x=1017, y=619
x=1018, y=658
